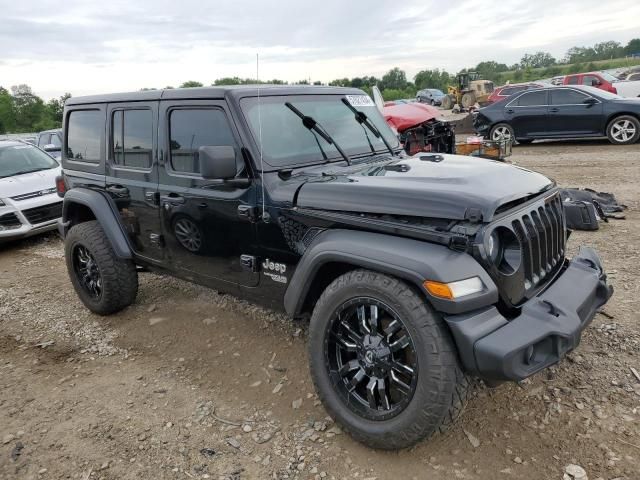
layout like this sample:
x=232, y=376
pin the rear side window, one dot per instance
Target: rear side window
x=533, y=99
x=191, y=129
x=565, y=96
x=590, y=80
x=44, y=139
x=85, y=130
x=55, y=140
x=132, y=138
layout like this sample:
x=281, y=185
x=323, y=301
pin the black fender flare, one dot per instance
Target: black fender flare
x=411, y=260
x=106, y=214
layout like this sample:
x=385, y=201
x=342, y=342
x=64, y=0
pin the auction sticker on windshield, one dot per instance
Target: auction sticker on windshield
x=360, y=100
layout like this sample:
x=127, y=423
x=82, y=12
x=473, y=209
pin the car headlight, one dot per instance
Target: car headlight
x=504, y=250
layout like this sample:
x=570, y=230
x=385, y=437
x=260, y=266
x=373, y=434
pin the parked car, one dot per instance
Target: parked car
x=559, y=80
x=51, y=142
x=413, y=272
x=562, y=112
x=505, y=91
x=633, y=77
x=29, y=203
x=432, y=96
x=602, y=80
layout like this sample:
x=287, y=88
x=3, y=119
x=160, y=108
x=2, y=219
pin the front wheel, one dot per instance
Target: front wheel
x=623, y=130
x=383, y=362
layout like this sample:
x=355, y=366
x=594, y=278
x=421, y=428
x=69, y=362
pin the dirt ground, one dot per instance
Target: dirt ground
x=187, y=383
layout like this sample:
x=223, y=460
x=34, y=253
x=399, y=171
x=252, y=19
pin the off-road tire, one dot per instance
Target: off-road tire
x=468, y=99
x=623, y=118
x=119, y=276
x=442, y=387
x=448, y=101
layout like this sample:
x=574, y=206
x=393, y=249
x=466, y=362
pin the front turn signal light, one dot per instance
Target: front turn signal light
x=454, y=290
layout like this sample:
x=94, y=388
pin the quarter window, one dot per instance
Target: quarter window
x=565, y=96
x=132, y=138
x=530, y=99
x=191, y=129
x=85, y=130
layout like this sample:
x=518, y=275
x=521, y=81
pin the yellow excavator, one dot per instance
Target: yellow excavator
x=470, y=89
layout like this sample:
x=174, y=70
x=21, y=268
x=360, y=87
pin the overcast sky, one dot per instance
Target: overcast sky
x=87, y=47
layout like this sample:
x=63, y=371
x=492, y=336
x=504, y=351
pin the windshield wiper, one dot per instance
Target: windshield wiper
x=362, y=119
x=313, y=126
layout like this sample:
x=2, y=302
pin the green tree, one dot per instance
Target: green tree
x=490, y=70
x=632, y=47
x=432, y=79
x=537, y=60
x=7, y=113
x=395, y=78
x=191, y=84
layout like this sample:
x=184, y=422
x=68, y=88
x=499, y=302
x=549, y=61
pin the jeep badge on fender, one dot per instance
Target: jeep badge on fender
x=414, y=275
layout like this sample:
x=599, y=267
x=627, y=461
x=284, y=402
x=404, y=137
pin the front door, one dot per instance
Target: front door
x=574, y=113
x=527, y=114
x=132, y=173
x=207, y=224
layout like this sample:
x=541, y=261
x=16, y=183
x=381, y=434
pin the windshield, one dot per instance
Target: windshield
x=608, y=77
x=597, y=92
x=437, y=92
x=287, y=142
x=19, y=159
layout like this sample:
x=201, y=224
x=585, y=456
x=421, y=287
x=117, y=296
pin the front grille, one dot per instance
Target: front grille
x=541, y=232
x=39, y=193
x=44, y=213
x=9, y=220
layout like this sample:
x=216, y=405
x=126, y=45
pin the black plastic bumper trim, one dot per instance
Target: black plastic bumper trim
x=548, y=327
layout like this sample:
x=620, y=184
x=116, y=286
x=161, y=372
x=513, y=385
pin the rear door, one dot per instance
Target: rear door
x=132, y=173
x=571, y=114
x=207, y=224
x=527, y=113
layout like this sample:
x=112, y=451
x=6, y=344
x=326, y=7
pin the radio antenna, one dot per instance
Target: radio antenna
x=265, y=214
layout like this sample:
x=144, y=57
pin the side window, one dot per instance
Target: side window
x=85, y=129
x=190, y=129
x=55, y=140
x=565, y=96
x=132, y=138
x=574, y=80
x=44, y=139
x=533, y=99
x=590, y=80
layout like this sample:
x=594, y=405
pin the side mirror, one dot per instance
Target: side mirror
x=217, y=163
x=50, y=147
x=590, y=101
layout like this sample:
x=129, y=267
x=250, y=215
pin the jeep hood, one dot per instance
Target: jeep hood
x=453, y=188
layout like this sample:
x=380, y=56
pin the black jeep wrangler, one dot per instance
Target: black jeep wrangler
x=415, y=273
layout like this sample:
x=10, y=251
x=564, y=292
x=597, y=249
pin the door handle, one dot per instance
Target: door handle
x=509, y=110
x=554, y=110
x=118, y=190
x=172, y=199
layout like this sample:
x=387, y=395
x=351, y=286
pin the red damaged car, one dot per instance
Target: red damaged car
x=420, y=128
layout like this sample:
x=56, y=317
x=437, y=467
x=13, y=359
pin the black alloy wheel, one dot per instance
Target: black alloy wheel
x=371, y=358
x=87, y=271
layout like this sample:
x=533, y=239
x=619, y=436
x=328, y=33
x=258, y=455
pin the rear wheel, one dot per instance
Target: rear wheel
x=383, y=361
x=105, y=283
x=502, y=132
x=623, y=130
x=468, y=99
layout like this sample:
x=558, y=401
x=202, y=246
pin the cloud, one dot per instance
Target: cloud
x=91, y=47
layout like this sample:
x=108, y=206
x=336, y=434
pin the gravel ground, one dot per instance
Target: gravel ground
x=188, y=383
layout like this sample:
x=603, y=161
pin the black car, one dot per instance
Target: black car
x=562, y=112
x=414, y=272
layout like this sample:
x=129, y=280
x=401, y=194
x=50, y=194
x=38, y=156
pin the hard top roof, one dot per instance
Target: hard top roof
x=219, y=92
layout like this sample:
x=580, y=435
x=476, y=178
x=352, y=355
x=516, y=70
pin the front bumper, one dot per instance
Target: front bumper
x=20, y=219
x=549, y=325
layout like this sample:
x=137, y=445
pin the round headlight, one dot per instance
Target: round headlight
x=493, y=246
x=504, y=250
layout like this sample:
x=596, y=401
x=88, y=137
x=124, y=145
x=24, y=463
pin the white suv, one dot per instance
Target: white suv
x=29, y=203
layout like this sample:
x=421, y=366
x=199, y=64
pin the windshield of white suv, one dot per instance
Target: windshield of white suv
x=287, y=142
x=21, y=159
